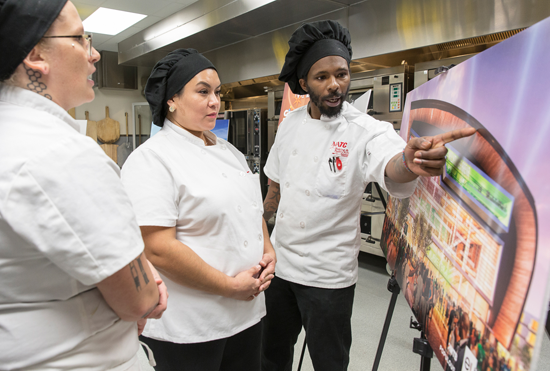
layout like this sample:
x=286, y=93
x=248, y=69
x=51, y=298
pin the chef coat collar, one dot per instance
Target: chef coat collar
x=28, y=99
x=188, y=136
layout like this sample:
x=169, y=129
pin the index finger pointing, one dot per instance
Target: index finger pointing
x=455, y=135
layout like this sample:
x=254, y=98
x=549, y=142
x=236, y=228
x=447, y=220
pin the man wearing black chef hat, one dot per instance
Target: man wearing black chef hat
x=323, y=157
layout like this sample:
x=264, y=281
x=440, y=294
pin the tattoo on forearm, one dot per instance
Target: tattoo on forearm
x=143, y=272
x=135, y=273
x=35, y=84
x=271, y=202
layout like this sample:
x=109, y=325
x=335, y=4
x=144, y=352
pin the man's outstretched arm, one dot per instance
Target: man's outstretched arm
x=423, y=156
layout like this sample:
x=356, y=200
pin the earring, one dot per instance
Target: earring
x=171, y=109
x=72, y=45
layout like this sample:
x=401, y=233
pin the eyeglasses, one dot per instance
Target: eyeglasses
x=86, y=37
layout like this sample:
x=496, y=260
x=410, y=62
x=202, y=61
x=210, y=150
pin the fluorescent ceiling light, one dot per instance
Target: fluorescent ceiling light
x=110, y=21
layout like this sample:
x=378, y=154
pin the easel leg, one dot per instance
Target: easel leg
x=393, y=287
x=422, y=347
x=302, y=356
x=425, y=364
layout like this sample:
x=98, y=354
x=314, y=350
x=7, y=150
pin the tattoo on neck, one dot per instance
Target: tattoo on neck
x=35, y=84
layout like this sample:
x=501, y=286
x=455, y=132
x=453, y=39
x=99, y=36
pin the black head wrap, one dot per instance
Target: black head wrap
x=308, y=44
x=169, y=76
x=22, y=24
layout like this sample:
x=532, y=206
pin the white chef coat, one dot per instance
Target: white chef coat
x=209, y=194
x=317, y=232
x=66, y=224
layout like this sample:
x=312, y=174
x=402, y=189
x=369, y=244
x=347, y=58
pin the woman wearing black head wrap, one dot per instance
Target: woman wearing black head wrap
x=200, y=213
x=69, y=243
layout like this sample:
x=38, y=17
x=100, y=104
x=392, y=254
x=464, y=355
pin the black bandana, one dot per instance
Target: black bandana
x=169, y=76
x=22, y=25
x=308, y=44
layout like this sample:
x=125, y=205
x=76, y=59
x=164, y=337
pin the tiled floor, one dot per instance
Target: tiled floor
x=369, y=312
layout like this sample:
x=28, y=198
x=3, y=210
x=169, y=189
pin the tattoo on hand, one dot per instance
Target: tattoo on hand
x=35, y=84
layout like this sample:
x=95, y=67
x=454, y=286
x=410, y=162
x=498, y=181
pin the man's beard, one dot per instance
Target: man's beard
x=330, y=112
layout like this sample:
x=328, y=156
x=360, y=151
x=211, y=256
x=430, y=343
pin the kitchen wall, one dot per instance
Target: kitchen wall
x=379, y=27
x=118, y=101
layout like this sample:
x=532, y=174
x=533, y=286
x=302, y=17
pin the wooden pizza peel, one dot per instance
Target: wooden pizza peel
x=108, y=132
x=91, y=127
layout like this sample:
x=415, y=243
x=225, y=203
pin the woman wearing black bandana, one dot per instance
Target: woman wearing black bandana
x=74, y=277
x=200, y=212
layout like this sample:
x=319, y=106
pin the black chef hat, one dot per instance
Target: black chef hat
x=308, y=44
x=169, y=76
x=22, y=24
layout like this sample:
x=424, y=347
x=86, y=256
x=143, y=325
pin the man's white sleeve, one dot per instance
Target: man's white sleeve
x=379, y=151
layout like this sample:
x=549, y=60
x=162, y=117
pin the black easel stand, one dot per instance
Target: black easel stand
x=393, y=287
x=382, y=199
x=422, y=347
x=302, y=355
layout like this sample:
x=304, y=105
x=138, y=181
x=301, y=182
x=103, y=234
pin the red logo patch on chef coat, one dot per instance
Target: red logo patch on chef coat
x=338, y=152
x=339, y=149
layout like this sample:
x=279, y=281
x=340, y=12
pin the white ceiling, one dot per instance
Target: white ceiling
x=155, y=10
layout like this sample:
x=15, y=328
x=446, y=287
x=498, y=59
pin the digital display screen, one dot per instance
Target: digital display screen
x=222, y=129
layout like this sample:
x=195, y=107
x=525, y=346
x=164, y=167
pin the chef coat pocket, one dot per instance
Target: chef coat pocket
x=332, y=176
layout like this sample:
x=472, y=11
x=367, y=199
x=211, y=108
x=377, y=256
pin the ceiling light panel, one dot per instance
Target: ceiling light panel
x=110, y=22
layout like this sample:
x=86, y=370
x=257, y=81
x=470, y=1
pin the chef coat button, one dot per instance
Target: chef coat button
x=281, y=215
x=260, y=237
x=241, y=173
x=223, y=146
x=255, y=204
x=224, y=175
x=287, y=184
x=304, y=121
x=302, y=225
x=301, y=254
x=239, y=208
x=327, y=126
x=245, y=243
x=315, y=158
x=294, y=152
x=307, y=192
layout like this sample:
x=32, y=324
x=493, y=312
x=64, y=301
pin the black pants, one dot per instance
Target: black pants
x=238, y=352
x=325, y=315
